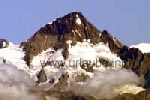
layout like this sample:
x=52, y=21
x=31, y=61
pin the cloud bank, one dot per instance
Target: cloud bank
x=102, y=84
x=15, y=84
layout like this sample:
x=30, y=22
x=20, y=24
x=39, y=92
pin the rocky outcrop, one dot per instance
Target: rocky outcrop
x=113, y=43
x=73, y=26
x=81, y=78
x=3, y=43
x=137, y=61
x=87, y=67
x=37, y=43
x=105, y=62
x=54, y=35
x=62, y=83
x=42, y=76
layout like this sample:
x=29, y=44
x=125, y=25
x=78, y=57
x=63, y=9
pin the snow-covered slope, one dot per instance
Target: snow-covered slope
x=144, y=47
x=86, y=51
x=82, y=51
x=14, y=55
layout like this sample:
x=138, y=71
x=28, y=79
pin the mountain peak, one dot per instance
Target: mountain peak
x=67, y=24
x=73, y=26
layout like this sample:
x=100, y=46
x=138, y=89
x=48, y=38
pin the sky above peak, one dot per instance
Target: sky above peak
x=128, y=20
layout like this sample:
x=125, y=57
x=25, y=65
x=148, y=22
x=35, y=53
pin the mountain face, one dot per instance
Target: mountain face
x=137, y=61
x=67, y=35
x=73, y=26
x=70, y=59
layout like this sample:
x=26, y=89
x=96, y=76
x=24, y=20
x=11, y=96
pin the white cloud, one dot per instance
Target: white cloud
x=102, y=84
x=15, y=84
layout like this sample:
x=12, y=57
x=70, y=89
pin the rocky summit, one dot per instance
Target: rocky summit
x=73, y=26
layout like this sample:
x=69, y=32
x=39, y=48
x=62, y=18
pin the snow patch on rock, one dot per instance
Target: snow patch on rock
x=14, y=55
x=143, y=47
x=78, y=20
x=87, y=51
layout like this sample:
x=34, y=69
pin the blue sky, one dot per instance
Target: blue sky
x=128, y=20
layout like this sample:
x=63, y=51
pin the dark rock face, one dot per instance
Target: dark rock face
x=147, y=78
x=62, y=82
x=138, y=62
x=113, y=43
x=37, y=43
x=81, y=78
x=66, y=28
x=105, y=62
x=3, y=43
x=42, y=76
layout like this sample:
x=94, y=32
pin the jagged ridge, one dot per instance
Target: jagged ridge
x=66, y=28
